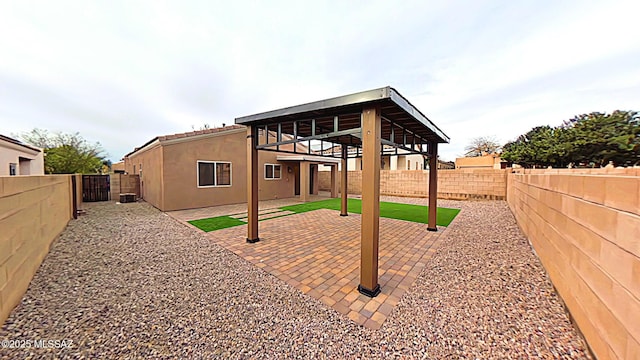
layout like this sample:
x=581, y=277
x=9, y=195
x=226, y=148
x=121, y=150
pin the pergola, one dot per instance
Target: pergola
x=363, y=121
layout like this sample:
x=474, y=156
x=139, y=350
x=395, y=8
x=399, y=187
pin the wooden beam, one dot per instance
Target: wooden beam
x=433, y=186
x=252, y=184
x=370, y=221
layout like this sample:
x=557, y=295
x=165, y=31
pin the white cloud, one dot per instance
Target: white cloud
x=124, y=72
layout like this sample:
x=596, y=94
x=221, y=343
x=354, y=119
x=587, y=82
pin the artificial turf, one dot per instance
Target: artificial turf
x=216, y=223
x=408, y=212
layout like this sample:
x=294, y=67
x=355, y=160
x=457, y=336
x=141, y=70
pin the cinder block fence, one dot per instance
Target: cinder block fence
x=33, y=211
x=459, y=184
x=585, y=228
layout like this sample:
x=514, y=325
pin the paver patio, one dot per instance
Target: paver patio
x=318, y=252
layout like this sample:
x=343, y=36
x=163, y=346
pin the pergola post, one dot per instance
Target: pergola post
x=343, y=183
x=433, y=186
x=304, y=181
x=252, y=184
x=369, y=227
x=334, y=180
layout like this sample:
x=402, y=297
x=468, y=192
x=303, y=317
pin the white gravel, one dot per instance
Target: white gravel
x=127, y=281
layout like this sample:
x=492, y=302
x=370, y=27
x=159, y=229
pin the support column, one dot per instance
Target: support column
x=370, y=223
x=433, y=186
x=304, y=181
x=334, y=180
x=344, y=175
x=252, y=184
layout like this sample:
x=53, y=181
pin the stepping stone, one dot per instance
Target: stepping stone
x=273, y=215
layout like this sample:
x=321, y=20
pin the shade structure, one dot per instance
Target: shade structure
x=362, y=125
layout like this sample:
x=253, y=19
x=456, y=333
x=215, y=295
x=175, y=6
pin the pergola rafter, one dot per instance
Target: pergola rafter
x=371, y=122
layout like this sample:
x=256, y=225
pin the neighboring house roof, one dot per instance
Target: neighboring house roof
x=19, y=143
x=190, y=134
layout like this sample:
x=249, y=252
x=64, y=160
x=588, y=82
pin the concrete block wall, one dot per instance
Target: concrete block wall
x=33, y=211
x=585, y=229
x=452, y=184
x=472, y=184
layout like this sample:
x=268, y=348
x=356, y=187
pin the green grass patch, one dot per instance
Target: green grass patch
x=407, y=212
x=216, y=223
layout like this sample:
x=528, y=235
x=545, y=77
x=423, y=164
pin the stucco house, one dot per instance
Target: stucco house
x=486, y=161
x=17, y=158
x=209, y=167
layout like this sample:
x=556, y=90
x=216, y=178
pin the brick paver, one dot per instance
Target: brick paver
x=318, y=252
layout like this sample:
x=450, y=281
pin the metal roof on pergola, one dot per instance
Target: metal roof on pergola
x=367, y=121
x=338, y=121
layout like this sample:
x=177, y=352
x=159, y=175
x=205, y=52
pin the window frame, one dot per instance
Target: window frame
x=273, y=170
x=215, y=178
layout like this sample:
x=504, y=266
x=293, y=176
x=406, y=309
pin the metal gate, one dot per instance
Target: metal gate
x=95, y=188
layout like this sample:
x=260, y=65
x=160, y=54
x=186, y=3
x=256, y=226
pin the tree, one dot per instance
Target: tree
x=599, y=138
x=586, y=140
x=482, y=145
x=66, y=153
x=541, y=146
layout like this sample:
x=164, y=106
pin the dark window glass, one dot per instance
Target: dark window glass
x=223, y=174
x=205, y=174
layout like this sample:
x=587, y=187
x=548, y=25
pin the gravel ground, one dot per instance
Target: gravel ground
x=127, y=281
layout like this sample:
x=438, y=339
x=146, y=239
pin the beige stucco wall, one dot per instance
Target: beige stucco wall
x=151, y=181
x=33, y=211
x=169, y=176
x=119, y=166
x=11, y=153
x=452, y=184
x=479, y=162
x=585, y=229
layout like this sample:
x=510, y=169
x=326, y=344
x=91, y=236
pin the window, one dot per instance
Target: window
x=271, y=171
x=214, y=173
x=12, y=169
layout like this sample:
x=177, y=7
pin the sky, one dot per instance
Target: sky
x=122, y=72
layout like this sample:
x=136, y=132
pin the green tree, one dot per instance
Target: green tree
x=482, y=145
x=598, y=138
x=66, y=153
x=586, y=140
x=535, y=148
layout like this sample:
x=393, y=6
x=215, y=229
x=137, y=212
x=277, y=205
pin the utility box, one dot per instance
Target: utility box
x=127, y=198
